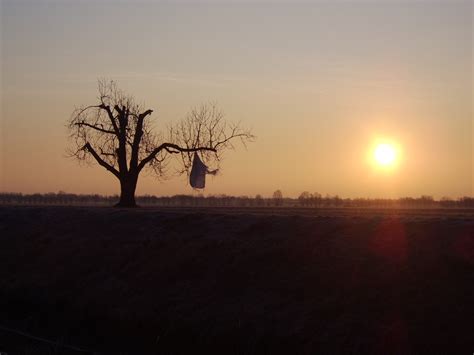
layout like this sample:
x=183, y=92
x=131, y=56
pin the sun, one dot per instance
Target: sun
x=385, y=154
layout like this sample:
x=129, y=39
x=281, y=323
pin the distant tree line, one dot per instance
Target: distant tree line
x=305, y=200
x=315, y=200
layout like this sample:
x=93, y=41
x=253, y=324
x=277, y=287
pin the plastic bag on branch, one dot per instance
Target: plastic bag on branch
x=197, y=178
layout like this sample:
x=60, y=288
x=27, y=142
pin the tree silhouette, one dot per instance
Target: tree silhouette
x=304, y=199
x=259, y=200
x=117, y=134
x=278, y=198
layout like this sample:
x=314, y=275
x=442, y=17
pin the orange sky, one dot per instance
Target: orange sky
x=319, y=83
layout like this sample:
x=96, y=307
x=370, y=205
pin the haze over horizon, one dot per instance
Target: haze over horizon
x=319, y=83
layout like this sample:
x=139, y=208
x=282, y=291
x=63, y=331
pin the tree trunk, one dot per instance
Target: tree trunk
x=128, y=184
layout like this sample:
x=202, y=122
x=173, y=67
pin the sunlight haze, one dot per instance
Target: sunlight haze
x=319, y=84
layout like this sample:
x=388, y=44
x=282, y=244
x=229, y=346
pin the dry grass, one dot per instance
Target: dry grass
x=238, y=281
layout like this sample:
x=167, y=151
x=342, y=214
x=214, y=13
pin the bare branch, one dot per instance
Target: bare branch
x=137, y=138
x=100, y=129
x=111, y=116
x=173, y=149
x=205, y=127
x=106, y=153
x=99, y=160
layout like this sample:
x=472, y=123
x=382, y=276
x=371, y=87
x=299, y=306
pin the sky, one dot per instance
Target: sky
x=319, y=83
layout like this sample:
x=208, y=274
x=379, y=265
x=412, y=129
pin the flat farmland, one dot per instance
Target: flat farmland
x=236, y=280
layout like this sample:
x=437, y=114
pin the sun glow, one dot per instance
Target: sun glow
x=385, y=154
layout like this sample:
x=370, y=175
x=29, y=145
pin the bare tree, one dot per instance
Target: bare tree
x=117, y=133
x=278, y=198
x=305, y=198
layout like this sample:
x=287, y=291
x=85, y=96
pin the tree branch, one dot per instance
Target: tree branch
x=122, y=138
x=173, y=149
x=240, y=135
x=111, y=117
x=94, y=127
x=137, y=138
x=106, y=153
x=118, y=109
x=99, y=160
x=81, y=111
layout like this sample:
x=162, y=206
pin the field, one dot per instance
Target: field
x=77, y=280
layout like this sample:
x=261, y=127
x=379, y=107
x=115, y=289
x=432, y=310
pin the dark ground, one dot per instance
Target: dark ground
x=232, y=281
